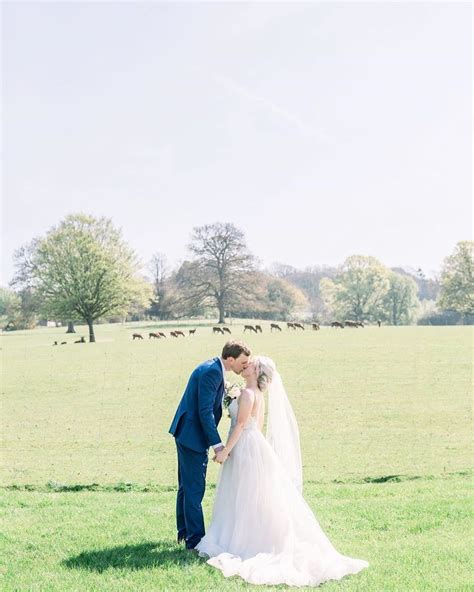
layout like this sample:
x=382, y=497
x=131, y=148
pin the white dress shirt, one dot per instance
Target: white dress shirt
x=219, y=444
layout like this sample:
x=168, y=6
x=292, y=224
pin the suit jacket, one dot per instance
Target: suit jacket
x=200, y=409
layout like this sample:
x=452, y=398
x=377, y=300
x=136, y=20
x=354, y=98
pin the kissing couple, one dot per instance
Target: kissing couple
x=262, y=529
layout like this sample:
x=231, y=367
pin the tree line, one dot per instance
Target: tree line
x=82, y=270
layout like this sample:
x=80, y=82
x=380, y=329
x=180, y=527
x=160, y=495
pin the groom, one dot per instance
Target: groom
x=194, y=428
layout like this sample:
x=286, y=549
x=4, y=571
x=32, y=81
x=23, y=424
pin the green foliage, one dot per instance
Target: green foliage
x=400, y=303
x=81, y=270
x=10, y=304
x=457, y=280
x=358, y=292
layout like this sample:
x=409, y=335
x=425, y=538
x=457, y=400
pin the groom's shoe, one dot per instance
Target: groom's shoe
x=181, y=538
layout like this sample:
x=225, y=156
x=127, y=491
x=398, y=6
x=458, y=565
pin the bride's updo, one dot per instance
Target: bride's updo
x=264, y=367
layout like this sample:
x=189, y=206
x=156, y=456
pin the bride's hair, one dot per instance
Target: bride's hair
x=264, y=367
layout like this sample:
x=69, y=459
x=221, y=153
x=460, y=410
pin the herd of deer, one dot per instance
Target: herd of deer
x=226, y=330
x=249, y=328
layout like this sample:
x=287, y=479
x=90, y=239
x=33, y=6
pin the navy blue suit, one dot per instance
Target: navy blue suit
x=194, y=428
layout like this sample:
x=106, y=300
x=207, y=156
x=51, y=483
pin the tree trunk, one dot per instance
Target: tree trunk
x=221, y=313
x=91, y=331
x=70, y=327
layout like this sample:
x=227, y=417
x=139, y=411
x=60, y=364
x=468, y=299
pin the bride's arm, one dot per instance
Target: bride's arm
x=246, y=400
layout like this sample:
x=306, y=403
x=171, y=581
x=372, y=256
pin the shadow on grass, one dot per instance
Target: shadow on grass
x=143, y=556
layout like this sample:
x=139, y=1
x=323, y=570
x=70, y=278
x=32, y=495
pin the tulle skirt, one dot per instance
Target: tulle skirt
x=262, y=529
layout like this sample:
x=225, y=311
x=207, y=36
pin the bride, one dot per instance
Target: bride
x=262, y=529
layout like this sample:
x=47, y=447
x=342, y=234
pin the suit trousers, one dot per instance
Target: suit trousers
x=192, y=469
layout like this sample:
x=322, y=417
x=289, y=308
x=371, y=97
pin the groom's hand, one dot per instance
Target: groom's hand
x=221, y=455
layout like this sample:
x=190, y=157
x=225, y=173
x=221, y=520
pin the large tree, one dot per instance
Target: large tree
x=220, y=272
x=457, y=280
x=358, y=291
x=81, y=270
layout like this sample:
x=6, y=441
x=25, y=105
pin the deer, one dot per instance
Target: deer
x=226, y=330
x=81, y=340
x=298, y=326
x=337, y=324
x=153, y=336
x=258, y=328
x=178, y=333
x=274, y=326
x=173, y=334
x=217, y=330
x=316, y=327
x=250, y=328
x=137, y=336
x=192, y=331
x=290, y=326
x=161, y=334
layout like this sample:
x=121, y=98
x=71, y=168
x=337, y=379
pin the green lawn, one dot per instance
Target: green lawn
x=385, y=420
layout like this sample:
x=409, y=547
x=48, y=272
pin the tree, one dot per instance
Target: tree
x=270, y=298
x=161, y=303
x=81, y=270
x=220, y=271
x=359, y=289
x=457, y=280
x=400, y=303
x=10, y=306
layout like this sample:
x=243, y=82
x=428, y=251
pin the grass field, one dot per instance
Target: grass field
x=88, y=471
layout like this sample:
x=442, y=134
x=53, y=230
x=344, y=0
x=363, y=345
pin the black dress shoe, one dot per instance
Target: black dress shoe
x=181, y=539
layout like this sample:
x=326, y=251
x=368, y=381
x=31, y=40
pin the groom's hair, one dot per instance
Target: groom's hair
x=233, y=349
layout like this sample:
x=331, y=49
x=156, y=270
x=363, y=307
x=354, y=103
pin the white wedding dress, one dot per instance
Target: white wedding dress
x=262, y=529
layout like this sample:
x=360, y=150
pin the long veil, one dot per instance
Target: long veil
x=282, y=430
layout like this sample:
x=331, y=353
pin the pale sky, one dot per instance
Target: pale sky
x=320, y=129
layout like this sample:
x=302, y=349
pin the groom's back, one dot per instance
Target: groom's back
x=186, y=424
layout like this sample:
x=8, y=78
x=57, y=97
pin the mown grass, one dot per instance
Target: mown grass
x=88, y=469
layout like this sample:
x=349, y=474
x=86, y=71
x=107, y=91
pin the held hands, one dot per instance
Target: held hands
x=221, y=455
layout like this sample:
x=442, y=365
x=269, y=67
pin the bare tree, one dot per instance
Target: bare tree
x=221, y=269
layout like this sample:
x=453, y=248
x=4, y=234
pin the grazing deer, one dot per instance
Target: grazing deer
x=360, y=324
x=217, y=330
x=352, y=324
x=226, y=330
x=173, y=334
x=274, y=326
x=298, y=326
x=258, y=328
x=290, y=326
x=81, y=340
x=178, y=333
x=153, y=335
x=63, y=342
x=161, y=334
x=192, y=331
x=55, y=343
x=250, y=328
x=137, y=336
x=316, y=327
x=337, y=324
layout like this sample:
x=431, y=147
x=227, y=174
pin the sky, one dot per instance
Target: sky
x=320, y=129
